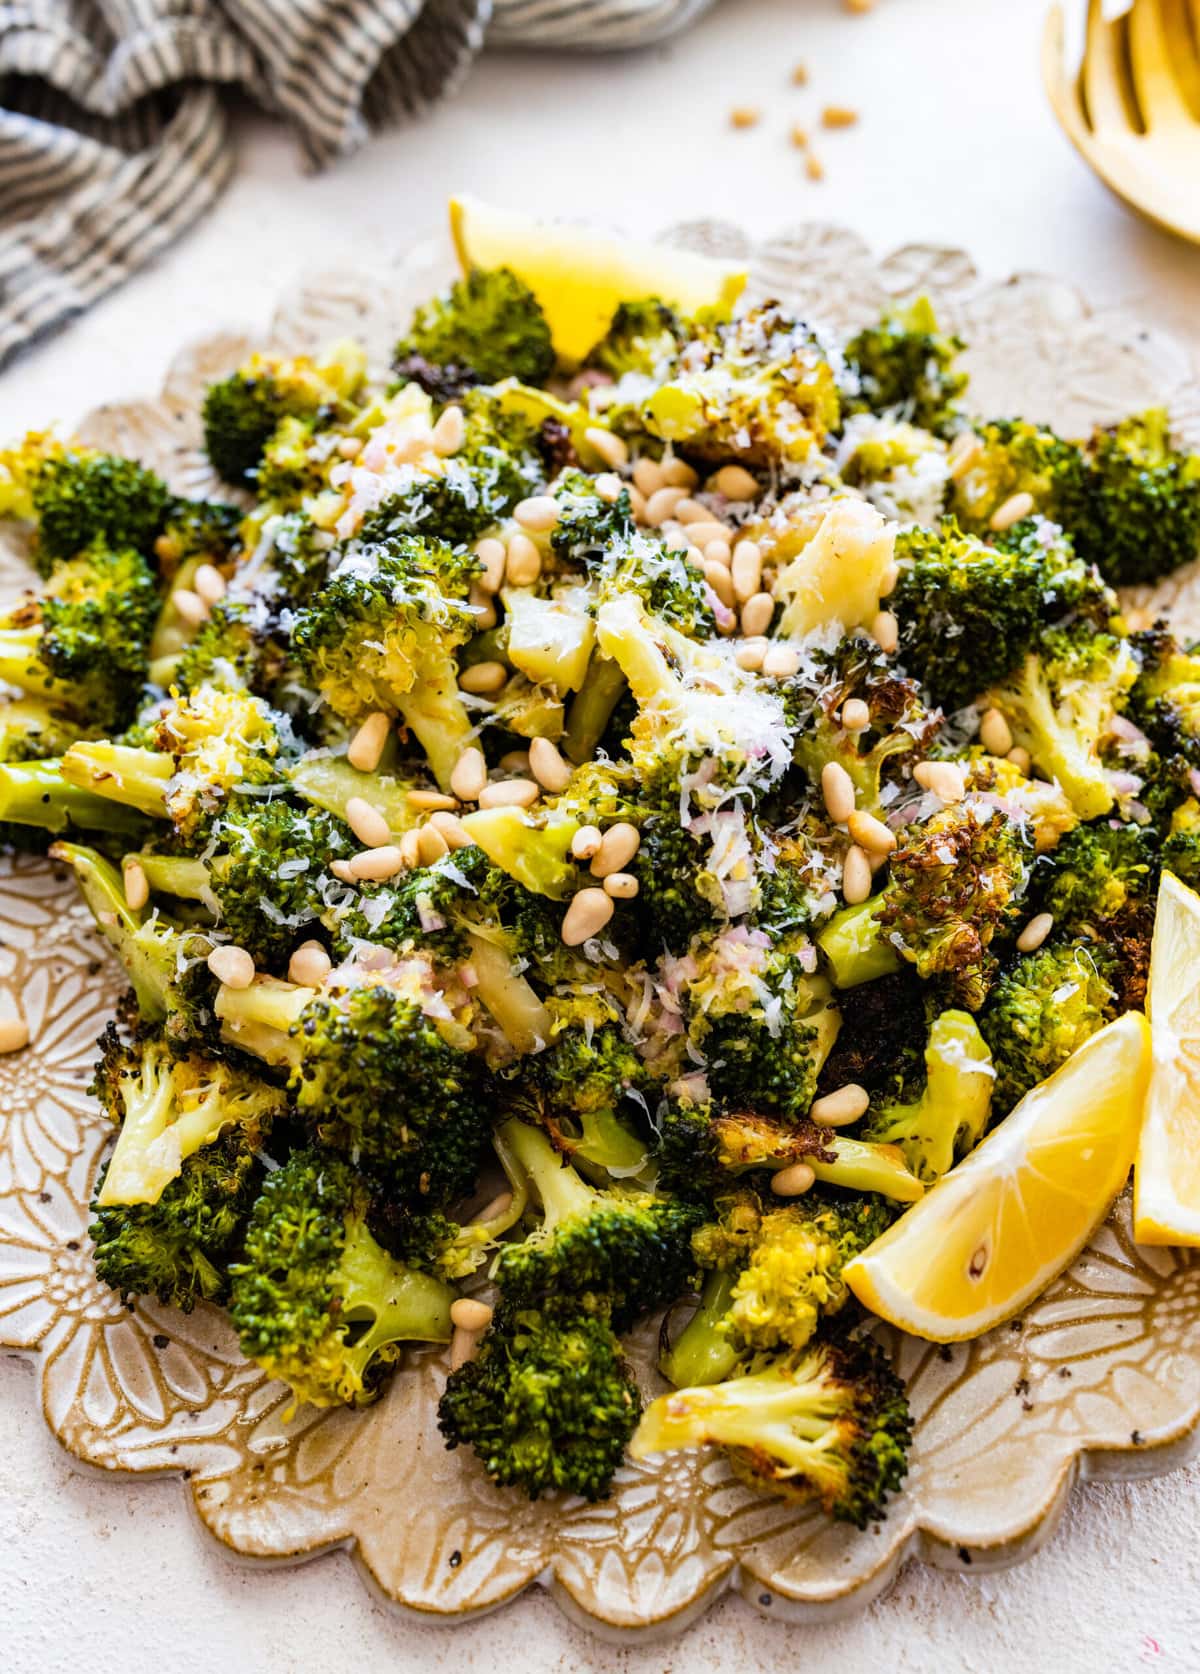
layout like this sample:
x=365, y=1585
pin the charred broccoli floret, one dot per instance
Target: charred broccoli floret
x=548, y=1402
x=1043, y=1008
x=488, y=326
x=906, y=365
x=317, y=1302
x=831, y=1422
x=78, y=498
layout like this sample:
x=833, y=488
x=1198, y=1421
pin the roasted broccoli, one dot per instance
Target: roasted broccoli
x=906, y=365
x=1044, y=1006
x=949, y=1115
x=488, y=326
x=243, y=411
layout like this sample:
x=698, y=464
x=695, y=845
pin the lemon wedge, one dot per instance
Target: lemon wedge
x=579, y=275
x=1166, y=1177
x=994, y=1231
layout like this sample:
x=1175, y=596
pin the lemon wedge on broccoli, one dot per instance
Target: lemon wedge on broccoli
x=993, y=1233
x=579, y=275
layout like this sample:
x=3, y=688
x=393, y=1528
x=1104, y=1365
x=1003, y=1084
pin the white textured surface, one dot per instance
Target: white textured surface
x=955, y=144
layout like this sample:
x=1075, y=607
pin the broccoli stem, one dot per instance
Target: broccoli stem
x=21, y=665
x=170, y=874
x=865, y=1167
x=434, y=711
x=400, y=1304
x=506, y=994
x=328, y=782
x=150, y=962
x=854, y=946
x=36, y=793
x=122, y=773
x=592, y=708
x=259, y=1018
x=702, y=1353
x=560, y=1189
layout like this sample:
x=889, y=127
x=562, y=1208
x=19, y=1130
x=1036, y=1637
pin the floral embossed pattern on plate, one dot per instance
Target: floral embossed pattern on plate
x=1100, y=1377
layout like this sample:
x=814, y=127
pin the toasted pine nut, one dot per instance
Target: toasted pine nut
x=232, y=966
x=757, y=613
x=350, y=447
x=366, y=822
x=309, y=965
x=780, y=662
x=885, y=631
x=484, y=606
x=410, y=849
x=846, y=1105
x=492, y=555
x=190, y=606
x=662, y=503
x=701, y=532
x=429, y=801
x=547, y=766
x=612, y=449
x=964, y=452
x=1020, y=758
x=464, y=1346
x=995, y=734
x=735, y=483
x=450, y=431
x=622, y=886
x=483, y=679
x=14, y=1034
x=744, y=116
x=366, y=747
x=856, y=715
x=209, y=583
x=510, y=793
x=747, y=570
x=586, y=842
x=647, y=477
x=637, y=501
x=137, y=886
x=800, y=75
x=617, y=848
x=524, y=563
x=720, y=580
x=677, y=473
x=514, y=764
x=870, y=833
x=792, y=1181
x=943, y=778
x=717, y=552
x=838, y=116
x=856, y=876
x=676, y=539
x=888, y=580
x=431, y=845
x=814, y=168
x=469, y=775
x=750, y=655
x=1012, y=511
x=539, y=513
x=609, y=486
x=1035, y=932
x=341, y=870
x=589, y=912
x=452, y=829
x=373, y=865
x=837, y=787
x=691, y=511
x=470, y=1315
x=798, y=135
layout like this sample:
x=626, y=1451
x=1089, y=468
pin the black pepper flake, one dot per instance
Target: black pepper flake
x=455, y=1559
x=159, y=1341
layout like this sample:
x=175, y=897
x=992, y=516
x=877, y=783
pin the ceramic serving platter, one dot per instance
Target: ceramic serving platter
x=1099, y=1378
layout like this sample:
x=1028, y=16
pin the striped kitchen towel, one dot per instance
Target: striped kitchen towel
x=113, y=132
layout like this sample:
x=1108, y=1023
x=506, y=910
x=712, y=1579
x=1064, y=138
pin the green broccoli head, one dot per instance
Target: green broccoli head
x=80, y=497
x=970, y=612
x=81, y=645
x=949, y=1115
x=831, y=1423
x=645, y=337
x=1144, y=501
x=1045, y=1005
x=487, y=327
x=317, y=1302
x=633, y=1247
x=1101, y=873
x=1017, y=457
x=207, y=530
x=906, y=365
x=548, y=1403
x=1181, y=846
x=242, y=412
x=1165, y=701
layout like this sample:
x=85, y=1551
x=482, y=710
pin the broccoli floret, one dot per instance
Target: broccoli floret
x=34, y=730
x=831, y=1422
x=1165, y=701
x=588, y=1072
x=1017, y=457
x=881, y=1042
x=207, y=531
x=1181, y=846
x=956, y=882
x=757, y=388
x=80, y=497
x=1101, y=873
x=243, y=411
x=1144, y=501
x=181, y=1247
x=1061, y=704
x=950, y=1114
x=778, y=1272
x=81, y=645
x=969, y=612
x=906, y=365
x=645, y=337
x=382, y=635
x=236, y=647
x=317, y=1302
x=631, y=1246
x=487, y=327
x=548, y=1402
x=372, y=1076
x=1045, y=1006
